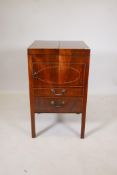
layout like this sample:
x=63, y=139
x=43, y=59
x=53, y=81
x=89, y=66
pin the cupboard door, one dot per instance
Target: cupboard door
x=58, y=74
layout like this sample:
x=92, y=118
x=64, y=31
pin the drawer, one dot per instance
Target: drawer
x=58, y=74
x=58, y=92
x=58, y=105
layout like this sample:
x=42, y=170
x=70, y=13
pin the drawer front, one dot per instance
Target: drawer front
x=58, y=74
x=58, y=92
x=58, y=105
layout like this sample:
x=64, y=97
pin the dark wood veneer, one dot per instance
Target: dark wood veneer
x=59, y=92
x=58, y=78
x=58, y=74
x=58, y=105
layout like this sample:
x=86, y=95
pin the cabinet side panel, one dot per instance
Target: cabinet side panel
x=30, y=84
x=86, y=83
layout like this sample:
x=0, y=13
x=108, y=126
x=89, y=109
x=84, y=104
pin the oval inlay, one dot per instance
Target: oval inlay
x=64, y=74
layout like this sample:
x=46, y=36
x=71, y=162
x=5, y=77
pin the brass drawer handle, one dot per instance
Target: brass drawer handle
x=53, y=103
x=54, y=92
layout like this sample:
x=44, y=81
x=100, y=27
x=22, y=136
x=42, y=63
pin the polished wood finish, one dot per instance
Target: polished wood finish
x=58, y=105
x=59, y=92
x=58, y=74
x=58, y=78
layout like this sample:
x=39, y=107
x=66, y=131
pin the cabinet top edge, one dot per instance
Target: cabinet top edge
x=58, y=45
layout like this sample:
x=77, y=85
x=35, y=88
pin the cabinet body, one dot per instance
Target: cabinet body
x=58, y=78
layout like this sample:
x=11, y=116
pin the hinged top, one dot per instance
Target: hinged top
x=55, y=47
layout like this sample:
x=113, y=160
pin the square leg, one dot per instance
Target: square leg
x=33, y=125
x=83, y=121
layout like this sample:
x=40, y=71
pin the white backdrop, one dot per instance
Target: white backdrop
x=93, y=21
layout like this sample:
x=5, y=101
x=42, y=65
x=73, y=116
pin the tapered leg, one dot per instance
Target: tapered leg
x=33, y=125
x=83, y=124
